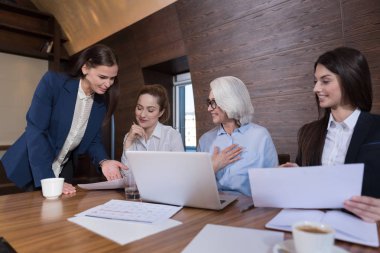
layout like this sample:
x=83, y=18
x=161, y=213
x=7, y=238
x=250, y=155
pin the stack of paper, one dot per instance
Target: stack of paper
x=347, y=227
x=126, y=221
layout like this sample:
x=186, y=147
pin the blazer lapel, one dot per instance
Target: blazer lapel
x=70, y=90
x=358, y=137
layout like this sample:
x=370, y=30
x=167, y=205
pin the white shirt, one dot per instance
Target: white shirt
x=82, y=112
x=163, y=138
x=338, y=139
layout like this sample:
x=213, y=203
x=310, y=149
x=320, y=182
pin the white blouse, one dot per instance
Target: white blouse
x=163, y=138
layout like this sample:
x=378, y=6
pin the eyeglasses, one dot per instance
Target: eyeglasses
x=212, y=103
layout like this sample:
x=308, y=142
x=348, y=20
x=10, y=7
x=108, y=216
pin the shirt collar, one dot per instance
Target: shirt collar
x=157, y=130
x=349, y=122
x=240, y=129
x=81, y=93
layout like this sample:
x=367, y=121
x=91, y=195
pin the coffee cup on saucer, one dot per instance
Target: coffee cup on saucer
x=313, y=237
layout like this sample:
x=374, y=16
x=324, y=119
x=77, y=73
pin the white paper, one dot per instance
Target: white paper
x=132, y=211
x=347, y=227
x=306, y=187
x=114, y=184
x=226, y=239
x=122, y=232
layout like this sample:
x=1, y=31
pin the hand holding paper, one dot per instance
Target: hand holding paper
x=306, y=187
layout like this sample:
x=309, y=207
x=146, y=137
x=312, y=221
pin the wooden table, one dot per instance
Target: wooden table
x=31, y=223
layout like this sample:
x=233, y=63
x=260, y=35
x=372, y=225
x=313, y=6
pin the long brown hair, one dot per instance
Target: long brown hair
x=99, y=55
x=356, y=86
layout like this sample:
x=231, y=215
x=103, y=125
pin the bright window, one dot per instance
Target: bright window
x=183, y=110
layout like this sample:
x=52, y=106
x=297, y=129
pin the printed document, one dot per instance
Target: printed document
x=132, y=211
x=347, y=227
x=314, y=187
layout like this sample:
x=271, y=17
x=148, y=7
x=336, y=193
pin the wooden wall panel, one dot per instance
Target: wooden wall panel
x=360, y=16
x=158, y=37
x=285, y=26
x=166, y=52
x=204, y=15
x=361, y=26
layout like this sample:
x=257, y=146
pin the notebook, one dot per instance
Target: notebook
x=177, y=178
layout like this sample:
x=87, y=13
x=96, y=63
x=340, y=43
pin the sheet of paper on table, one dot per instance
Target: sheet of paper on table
x=225, y=239
x=123, y=232
x=314, y=187
x=132, y=211
x=126, y=221
x=114, y=184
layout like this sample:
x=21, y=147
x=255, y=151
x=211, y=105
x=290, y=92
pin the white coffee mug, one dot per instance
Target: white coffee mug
x=52, y=187
x=313, y=237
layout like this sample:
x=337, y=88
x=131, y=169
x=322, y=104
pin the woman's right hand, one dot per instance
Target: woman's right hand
x=288, y=164
x=135, y=132
x=228, y=155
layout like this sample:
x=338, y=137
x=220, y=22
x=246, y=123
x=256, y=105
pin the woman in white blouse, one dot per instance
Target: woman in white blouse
x=148, y=132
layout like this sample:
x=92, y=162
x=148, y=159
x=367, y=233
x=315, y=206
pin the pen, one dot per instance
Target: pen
x=246, y=208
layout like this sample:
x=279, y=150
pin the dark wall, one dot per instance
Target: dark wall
x=270, y=44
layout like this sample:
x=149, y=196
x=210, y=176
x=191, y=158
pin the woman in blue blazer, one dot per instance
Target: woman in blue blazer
x=65, y=119
x=346, y=132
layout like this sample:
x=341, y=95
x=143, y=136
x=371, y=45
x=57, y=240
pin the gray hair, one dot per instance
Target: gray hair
x=232, y=96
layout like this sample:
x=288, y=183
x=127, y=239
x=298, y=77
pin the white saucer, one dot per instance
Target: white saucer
x=288, y=247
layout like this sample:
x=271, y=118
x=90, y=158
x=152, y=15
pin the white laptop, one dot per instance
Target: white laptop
x=177, y=178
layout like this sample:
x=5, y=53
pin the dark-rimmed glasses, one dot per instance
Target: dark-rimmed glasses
x=212, y=103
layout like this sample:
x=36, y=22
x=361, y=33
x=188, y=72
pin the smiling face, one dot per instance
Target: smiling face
x=98, y=79
x=148, y=112
x=327, y=88
x=218, y=115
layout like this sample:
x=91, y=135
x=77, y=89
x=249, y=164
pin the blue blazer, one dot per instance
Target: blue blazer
x=49, y=119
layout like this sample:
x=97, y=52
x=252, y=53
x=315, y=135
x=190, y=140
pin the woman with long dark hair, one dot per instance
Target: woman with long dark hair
x=65, y=120
x=346, y=132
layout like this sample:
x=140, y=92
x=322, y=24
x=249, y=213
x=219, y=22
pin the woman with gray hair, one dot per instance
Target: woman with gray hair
x=236, y=144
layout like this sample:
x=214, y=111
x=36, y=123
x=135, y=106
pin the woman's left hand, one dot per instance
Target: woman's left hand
x=111, y=169
x=68, y=188
x=367, y=208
